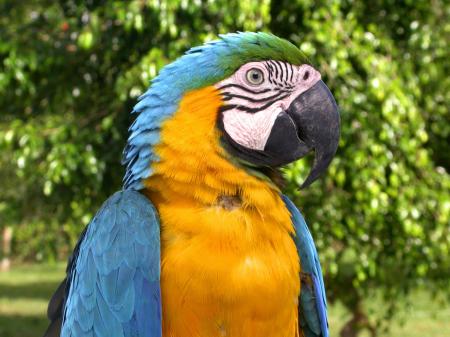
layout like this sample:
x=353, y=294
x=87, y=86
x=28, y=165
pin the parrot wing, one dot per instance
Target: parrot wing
x=313, y=302
x=112, y=288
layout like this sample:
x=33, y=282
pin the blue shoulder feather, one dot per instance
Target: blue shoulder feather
x=113, y=282
x=313, y=302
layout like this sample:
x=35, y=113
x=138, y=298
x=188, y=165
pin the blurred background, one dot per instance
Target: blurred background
x=70, y=72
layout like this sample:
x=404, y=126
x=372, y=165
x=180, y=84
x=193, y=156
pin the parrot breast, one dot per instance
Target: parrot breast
x=229, y=264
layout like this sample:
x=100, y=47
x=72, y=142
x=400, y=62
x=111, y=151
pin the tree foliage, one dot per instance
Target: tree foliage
x=70, y=72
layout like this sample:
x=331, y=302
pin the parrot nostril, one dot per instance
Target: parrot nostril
x=306, y=75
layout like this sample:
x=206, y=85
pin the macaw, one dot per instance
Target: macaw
x=201, y=241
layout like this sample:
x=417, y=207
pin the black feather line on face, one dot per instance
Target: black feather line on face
x=286, y=79
x=281, y=70
x=268, y=68
x=292, y=73
x=265, y=106
x=280, y=76
x=281, y=84
x=227, y=107
x=275, y=69
x=255, y=92
x=229, y=96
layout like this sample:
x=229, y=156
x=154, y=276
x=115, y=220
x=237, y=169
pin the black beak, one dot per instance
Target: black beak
x=316, y=116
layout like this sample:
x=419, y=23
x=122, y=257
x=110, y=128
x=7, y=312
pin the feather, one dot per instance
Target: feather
x=116, y=257
x=313, y=305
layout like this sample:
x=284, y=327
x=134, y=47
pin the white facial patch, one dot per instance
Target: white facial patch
x=252, y=103
x=251, y=129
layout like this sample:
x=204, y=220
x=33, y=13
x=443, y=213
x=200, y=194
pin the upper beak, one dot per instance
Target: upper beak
x=316, y=116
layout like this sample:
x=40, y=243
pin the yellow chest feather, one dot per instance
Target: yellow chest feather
x=229, y=265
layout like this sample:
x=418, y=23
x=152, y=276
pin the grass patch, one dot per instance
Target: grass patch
x=24, y=294
x=25, y=291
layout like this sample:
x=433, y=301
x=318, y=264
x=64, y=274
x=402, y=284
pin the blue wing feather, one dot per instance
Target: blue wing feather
x=113, y=283
x=313, y=303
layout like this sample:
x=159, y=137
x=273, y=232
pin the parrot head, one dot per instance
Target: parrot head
x=274, y=110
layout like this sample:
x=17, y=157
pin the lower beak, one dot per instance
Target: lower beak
x=316, y=116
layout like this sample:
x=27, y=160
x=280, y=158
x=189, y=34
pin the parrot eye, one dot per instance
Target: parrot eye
x=254, y=76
